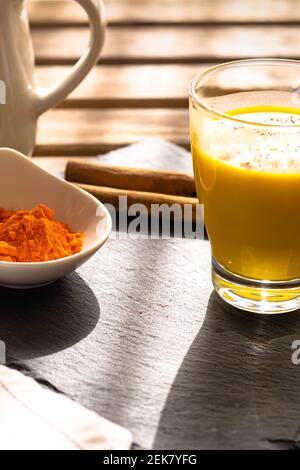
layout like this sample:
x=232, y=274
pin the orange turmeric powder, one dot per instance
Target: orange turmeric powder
x=33, y=235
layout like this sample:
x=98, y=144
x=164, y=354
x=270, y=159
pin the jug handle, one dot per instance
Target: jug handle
x=50, y=97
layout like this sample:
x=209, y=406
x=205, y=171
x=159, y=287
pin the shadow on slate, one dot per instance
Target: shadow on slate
x=45, y=320
x=236, y=387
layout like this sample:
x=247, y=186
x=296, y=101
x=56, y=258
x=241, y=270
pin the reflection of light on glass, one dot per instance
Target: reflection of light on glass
x=296, y=94
x=2, y=92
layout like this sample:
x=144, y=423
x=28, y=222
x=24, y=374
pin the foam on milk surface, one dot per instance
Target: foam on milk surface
x=262, y=148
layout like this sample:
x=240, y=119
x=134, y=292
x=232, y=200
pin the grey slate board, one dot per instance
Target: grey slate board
x=138, y=336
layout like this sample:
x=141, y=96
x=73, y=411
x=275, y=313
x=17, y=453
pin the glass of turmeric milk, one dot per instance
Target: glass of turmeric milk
x=245, y=138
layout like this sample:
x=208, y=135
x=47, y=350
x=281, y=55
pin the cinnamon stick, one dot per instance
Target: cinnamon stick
x=137, y=179
x=111, y=196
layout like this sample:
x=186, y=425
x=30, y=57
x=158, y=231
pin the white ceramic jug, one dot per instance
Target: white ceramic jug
x=22, y=101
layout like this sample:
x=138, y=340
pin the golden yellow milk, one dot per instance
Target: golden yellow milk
x=249, y=181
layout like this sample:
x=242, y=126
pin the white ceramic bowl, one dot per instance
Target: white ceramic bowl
x=23, y=185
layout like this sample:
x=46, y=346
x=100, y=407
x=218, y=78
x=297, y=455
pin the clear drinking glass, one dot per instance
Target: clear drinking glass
x=245, y=138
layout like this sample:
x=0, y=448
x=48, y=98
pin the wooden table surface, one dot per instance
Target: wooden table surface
x=137, y=334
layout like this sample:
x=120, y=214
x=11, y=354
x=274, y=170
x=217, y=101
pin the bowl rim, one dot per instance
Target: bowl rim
x=84, y=252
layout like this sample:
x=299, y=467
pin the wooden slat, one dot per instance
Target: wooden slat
x=129, y=86
x=92, y=131
x=145, y=86
x=47, y=12
x=168, y=44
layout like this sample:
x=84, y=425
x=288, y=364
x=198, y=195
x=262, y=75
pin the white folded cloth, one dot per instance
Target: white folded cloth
x=32, y=417
x=154, y=153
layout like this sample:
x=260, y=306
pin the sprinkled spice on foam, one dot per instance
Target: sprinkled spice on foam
x=251, y=148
